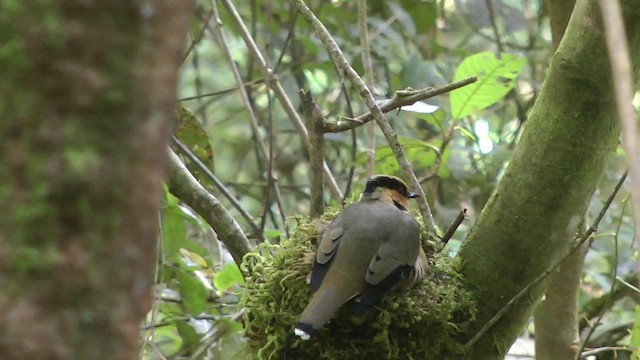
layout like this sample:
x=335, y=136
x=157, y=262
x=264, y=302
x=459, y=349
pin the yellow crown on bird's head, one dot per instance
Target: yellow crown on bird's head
x=389, y=182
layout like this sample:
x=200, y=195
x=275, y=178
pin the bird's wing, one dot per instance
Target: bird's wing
x=393, y=263
x=329, y=240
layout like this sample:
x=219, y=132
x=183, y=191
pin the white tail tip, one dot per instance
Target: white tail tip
x=302, y=334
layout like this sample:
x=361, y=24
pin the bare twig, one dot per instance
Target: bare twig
x=399, y=99
x=454, y=226
x=315, y=120
x=222, y=92
x=278, y=90
x=367, y=66
x=623, y=85
x=494, y=26
x=183, y=185
x=354, y=146
x=544, y=275
x=263, y=151
x=343, y=65
x=198, y=37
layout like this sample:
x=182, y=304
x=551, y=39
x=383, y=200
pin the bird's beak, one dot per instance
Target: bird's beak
x=413, y=195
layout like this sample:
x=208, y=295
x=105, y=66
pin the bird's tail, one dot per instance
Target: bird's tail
x=321, y=308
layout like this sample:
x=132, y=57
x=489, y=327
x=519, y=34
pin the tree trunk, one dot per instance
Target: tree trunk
x=525, y=227
x=88, y=91
x=556, y=317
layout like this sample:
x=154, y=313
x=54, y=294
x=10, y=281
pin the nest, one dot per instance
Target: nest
x=421, y=322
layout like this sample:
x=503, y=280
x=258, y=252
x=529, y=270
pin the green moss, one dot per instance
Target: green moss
x=416, y=323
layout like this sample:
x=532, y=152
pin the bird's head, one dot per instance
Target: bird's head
x=388, y=188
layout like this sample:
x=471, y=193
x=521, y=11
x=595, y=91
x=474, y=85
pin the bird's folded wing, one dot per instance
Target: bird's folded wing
x=329, y=240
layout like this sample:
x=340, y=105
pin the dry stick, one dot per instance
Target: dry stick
x=262, y=148
x=399, y=99
x=198, y=37
x=624, y=89
x=454, y=226
x=248, y=84
x=367, y=68
x=343, y=65
x=315, y=121
x=183, y=185
x=279, y=91
x=354, y=145
x=542, y=276
x=223, y=189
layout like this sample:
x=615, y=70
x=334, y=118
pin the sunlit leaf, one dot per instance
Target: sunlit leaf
x=227, y=277
x=496, y=77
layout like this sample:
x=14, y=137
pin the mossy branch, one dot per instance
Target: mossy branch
x=184, y=185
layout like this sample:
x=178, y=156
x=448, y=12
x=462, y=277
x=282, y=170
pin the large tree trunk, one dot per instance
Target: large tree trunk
x=88, y=90
x=528, y=222
x=556, y=316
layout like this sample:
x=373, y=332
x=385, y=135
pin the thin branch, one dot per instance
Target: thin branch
x=400, y=98
x=183, y=185
x=367, y=66
x=198, y=37
x=263, y=151
x=544, y=275
x=494, y=26
x=623, y=85
x=279, y=91
x=343, y=65
x=223, y=189
x=614, y=276
x=354, y=146
x=454, y=226
x=222, y=92
x=314, y=117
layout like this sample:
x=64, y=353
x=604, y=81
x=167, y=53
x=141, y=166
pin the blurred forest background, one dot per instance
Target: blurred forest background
x=457, y=143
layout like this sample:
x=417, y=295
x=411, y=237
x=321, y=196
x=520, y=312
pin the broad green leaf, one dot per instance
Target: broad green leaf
x=227, y=277
x=496, y=77
x=193, y=292
x=421, y=154
x=190, y=338
x=174, y=233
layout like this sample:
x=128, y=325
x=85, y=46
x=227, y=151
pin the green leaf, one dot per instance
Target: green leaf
x=193, y=292
x=496, y=77
x=174, y=233
x=635, y=336
x=272, y=234
x=191, y=133
x=227, y=277
x=190, y=338
x=232, y=326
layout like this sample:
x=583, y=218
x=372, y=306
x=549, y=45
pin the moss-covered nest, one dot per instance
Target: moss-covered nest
x=417, y=323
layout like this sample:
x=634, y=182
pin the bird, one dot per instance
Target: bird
x=371, y=247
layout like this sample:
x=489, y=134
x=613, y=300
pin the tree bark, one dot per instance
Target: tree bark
x=556, y=317
x=524, y=228
x=88, y=91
